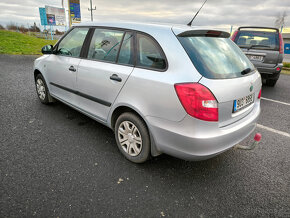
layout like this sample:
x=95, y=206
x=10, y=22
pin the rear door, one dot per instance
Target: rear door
x=261, y=47
x=105, y=70
x=225, y=71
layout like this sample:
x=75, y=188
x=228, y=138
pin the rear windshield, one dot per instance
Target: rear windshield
x=216, y=58
x=258, y=40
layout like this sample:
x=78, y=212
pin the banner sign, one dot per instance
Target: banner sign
x=43, y=19
x=75, y=11
x=55, y=16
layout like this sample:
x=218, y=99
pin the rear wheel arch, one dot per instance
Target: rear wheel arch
x=120, y=110
x=123, y=109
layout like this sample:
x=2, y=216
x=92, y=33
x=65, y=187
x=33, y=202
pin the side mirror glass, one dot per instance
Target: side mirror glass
x=47, y=49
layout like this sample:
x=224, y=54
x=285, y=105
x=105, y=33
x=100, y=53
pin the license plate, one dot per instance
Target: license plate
x=255, y=57
x=243, y=102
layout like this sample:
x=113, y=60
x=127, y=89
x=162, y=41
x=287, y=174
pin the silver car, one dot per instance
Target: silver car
x=184, y=91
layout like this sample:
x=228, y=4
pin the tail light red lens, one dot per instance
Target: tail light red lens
x=281, y=44
x=260, y=93
x=234, y=35
x=198, y=101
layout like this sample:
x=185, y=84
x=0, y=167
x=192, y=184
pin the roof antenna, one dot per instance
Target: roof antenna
x=189, y=24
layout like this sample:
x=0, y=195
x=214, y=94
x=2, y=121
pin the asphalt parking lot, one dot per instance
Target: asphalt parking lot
x=56, y=162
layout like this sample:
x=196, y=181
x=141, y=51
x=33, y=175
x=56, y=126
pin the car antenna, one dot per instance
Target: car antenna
x=189, y=24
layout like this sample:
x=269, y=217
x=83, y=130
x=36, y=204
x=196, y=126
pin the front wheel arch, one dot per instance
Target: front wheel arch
x=36, y=73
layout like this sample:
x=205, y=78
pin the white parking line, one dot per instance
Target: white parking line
x=280, y=102
x=273, y=130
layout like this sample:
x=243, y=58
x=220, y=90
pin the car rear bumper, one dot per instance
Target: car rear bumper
x=193, y=139
x=270, y=73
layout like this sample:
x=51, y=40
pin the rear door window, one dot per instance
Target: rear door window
x=126, y=50
x=216, y=58
x=72, y=43
x=105, y=45
x=149, y=53
x=258, y=40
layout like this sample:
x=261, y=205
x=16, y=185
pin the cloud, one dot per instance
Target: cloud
x=221, y=13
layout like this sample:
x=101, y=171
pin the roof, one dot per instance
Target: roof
x=258, y=27
x=125, y=24
x=139, y=25
x=146, y=27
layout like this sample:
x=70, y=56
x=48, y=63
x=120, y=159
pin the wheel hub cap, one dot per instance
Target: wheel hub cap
x=130, y=138
x=40, y=89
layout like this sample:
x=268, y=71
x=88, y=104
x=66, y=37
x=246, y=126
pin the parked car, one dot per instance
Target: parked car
x=187, y=92
x=264, y=47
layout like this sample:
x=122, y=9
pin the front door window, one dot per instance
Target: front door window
x=72, y=44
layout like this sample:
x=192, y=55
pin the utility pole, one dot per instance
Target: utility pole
x=69, y=15
x=92, y=9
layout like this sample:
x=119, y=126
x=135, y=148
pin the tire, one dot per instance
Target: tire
x=42, y=90
x=271, y=82
x=132, y=137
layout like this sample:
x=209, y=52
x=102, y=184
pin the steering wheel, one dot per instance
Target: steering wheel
x=65, y=51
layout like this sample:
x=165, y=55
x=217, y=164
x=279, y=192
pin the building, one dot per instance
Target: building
x=286, y=39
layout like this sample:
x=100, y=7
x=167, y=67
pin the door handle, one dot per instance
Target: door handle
x=71, y=68
x=116, y=78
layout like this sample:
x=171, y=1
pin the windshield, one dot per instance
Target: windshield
x=216, y=58
x=258, y=40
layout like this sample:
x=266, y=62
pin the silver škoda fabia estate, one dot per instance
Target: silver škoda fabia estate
x=184, y=91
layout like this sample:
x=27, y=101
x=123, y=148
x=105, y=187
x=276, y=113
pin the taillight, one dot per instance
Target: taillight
x=198, y=101
x=281, y=44
x=260, y=93
x=234, y=35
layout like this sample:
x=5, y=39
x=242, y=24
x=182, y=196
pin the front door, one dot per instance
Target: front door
x=62, y=66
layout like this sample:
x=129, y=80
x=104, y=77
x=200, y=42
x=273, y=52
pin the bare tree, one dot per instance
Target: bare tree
x=280, y=20
x=11, y=26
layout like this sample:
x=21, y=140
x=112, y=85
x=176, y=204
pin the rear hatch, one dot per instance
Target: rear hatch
x=260, y=45
x=225, y=70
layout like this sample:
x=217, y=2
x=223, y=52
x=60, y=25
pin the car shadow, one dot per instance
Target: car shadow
x=162, y=165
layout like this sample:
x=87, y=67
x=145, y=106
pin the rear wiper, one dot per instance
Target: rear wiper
x=246, y=71
x=241, y=46
x=264, y=46
x=252, y=46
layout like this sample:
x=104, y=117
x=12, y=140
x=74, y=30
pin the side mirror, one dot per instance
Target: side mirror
x=47, y=49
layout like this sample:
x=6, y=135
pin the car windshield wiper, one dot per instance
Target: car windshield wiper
x=263, y=46
x=241, y=46
x=246, y=71
x=252, y=46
